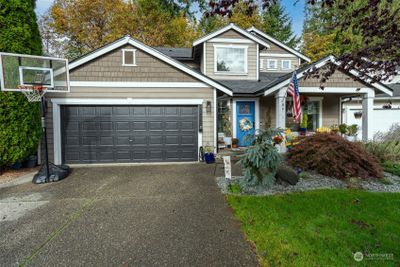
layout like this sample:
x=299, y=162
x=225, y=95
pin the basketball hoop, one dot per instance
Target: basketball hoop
x=33, y=93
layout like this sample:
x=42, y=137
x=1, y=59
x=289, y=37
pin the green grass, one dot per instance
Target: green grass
x=321, y=228
x=392, y=167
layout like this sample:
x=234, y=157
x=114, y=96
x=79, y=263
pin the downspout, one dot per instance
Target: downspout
x=345, y=99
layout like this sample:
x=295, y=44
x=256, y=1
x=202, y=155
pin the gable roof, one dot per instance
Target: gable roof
x=157, y=54
x=278, y=43
x=284, y=80
x=231, y=26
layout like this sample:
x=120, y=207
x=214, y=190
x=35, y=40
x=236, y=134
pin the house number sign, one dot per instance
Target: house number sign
x=227, y=167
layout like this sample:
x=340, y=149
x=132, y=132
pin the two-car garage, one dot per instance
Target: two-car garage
x=129, y=133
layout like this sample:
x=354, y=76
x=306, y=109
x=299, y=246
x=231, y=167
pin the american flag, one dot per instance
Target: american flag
x=293, y=90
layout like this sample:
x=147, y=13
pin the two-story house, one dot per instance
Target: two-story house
x=129, y=102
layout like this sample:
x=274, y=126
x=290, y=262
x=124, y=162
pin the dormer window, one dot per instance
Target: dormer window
x=286, y=64
x=128, y=57
x=272, y=64
x=230, y=59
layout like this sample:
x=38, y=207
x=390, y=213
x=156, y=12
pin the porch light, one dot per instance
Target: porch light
x=208, y=106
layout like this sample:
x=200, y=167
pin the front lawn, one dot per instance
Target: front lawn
x=322, y=228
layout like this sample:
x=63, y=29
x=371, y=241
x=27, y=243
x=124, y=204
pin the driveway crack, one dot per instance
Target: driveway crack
x=72, y=218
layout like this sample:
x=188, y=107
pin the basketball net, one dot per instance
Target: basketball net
x=33, y=93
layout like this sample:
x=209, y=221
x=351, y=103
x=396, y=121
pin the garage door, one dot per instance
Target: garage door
x=101, y=134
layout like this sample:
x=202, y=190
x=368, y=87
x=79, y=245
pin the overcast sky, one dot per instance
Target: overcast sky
x=296, y=12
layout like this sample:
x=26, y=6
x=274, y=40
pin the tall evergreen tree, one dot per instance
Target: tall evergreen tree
x=20, y=129
x=19, y=31
x=278, y=24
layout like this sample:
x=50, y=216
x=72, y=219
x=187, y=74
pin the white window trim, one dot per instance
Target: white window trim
x=134, y=57
x=97, y=84
x=286, y=60
x=272, y=60
x=278, y=55
x=318, y=99
x=245, y=47
x=258, y=63
x=262, y=63
x=57, y=102
x=313, y=99
x=231, y=40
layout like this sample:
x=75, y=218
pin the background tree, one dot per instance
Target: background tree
x=246, y=15
x=89, y=24
x=86, y=24
x=242, y=14
x=53, y=44
x=20, y=128
x=157, y=23
x=209, y=24
x=278, y=24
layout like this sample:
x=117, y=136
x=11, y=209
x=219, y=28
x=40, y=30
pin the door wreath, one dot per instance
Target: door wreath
x=245, y=125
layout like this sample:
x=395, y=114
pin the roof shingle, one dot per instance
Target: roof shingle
x=177, y=53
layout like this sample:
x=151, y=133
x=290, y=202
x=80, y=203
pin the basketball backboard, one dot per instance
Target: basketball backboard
x=20, y=71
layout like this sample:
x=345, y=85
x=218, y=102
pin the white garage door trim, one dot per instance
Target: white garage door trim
x=124, y=101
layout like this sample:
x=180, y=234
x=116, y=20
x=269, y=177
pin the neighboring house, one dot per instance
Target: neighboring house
x=129, y=102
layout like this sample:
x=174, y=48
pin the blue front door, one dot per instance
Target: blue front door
x=245, y=121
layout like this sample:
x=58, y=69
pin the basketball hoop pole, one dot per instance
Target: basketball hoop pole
x=43, y=103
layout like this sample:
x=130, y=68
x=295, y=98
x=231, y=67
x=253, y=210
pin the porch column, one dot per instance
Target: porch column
x=280, y=108
x=367, y=116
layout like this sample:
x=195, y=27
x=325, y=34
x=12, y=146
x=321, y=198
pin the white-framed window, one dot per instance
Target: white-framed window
x=313, y=108
x=230, y=59
x=286, y=64
x=272, y=64
x=262, y=62
x=128, y=57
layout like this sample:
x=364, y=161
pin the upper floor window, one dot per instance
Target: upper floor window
x=286, y=64
x=272, y=64
x=128, y=57
x=230, y=59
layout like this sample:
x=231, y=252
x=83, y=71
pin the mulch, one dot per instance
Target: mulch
x=9, y=174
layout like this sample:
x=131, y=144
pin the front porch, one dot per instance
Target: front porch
x=241, y=116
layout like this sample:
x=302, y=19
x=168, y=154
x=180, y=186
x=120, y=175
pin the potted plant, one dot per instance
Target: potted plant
x=30, y=162
x=209, y=154
x=17, y=165
x=343, y=128
x=303, y=124
x=352, y=131
x=277, y=139
x=334, y=129
x=227, y=129
x=235, y=142
x=358, y=114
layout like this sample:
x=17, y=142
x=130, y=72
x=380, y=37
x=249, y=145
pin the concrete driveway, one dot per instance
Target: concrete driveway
x=158, y=215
